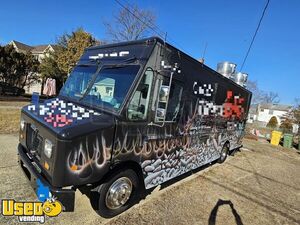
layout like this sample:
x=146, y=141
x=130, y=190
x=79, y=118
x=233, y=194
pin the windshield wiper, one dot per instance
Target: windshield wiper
x=122, y=63
x=112, y=66
x=94, y=76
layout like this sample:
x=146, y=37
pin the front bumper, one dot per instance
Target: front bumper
x=28, y=166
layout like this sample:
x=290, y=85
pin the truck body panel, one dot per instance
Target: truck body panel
x=144, y=102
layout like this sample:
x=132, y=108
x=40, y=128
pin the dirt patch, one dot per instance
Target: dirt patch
x=258, y=185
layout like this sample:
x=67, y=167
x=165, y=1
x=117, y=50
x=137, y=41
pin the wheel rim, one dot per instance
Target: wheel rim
x=118, y=193
x=224, y=153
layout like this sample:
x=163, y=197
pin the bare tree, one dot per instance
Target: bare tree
x=271, y=97
x=257, y=94
x=131, y=23
x=296, y=115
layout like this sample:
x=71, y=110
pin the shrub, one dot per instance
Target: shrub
x=273, y=123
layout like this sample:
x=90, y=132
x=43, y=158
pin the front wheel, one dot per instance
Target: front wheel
x=224, y=153
x=118, y=193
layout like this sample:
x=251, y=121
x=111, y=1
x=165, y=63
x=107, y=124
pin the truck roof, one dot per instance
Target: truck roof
x=151, y=41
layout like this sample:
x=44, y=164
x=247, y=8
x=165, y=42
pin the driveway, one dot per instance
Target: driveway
x=258, y=185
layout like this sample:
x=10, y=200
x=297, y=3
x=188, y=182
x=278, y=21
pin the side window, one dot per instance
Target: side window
x=138, y=106
x=174, y=102
x=168, y=101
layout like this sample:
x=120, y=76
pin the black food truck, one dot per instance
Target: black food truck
x=130, y=116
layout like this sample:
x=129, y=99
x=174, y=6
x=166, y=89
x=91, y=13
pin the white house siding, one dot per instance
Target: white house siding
x=295, y=128
x=264, y=115
x=251, y=118
x=35, y=87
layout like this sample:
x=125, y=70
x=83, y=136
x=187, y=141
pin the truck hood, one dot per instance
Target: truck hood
x=68, y=119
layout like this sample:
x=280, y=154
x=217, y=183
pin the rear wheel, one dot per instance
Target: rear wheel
x=224, y=153
x=118, y=193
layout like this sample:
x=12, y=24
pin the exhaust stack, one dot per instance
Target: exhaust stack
x=227, y=69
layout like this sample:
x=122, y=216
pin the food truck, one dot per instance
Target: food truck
x=130, y=117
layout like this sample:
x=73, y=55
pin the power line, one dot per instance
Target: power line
x=256, y=31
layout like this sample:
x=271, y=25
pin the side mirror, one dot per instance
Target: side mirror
x=162, y=103
x=144, y=92
x=163, y=94
x=160, y=113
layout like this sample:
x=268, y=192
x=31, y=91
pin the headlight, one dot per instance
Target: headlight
x=48, y=148
x=22, y=124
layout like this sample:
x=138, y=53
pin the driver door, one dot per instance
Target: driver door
x=131, y=134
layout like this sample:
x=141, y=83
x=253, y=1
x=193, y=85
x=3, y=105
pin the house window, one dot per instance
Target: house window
x=261, y=110
x=108, y=90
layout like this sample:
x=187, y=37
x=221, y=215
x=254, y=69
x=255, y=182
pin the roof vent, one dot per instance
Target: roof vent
x=227, y=69
x=240, y=78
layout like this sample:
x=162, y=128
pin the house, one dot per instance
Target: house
x=252, y=114
x=262, y=113
x=39, y=52
x=268, y=110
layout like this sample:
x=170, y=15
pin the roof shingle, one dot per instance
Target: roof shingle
x=278, y=107
x=22, y=47
x=39, y=48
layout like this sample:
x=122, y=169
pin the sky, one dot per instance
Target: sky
x=226, y=26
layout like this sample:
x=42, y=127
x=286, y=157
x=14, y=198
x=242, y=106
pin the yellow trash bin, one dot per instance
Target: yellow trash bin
x=275, y=139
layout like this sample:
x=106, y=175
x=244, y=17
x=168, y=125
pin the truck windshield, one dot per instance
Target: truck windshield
x=109, y=88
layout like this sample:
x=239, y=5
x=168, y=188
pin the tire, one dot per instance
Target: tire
x=119, y=180
x=224, y=153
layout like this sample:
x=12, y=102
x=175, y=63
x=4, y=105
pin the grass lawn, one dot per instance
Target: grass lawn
x=10, y=116
x=9, y=120
x=14, y=104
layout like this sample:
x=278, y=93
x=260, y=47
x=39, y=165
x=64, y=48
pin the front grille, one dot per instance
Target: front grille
x=34, y=141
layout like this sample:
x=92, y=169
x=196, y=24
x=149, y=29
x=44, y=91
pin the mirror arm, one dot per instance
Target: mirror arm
x=154, y=124
x=157, y=125
x=167, y=102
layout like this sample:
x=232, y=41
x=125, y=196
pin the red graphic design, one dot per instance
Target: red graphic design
x=59, y=113
x=58, y=120
x=233, y=106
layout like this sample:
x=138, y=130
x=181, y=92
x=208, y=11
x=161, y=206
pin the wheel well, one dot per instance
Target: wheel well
x=124, y=165
x=227, y=143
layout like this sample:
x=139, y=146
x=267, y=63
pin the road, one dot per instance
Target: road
x=258, y=185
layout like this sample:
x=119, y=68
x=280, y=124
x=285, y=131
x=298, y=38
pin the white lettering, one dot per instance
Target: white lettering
x=205, y=89
x=123, y=53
